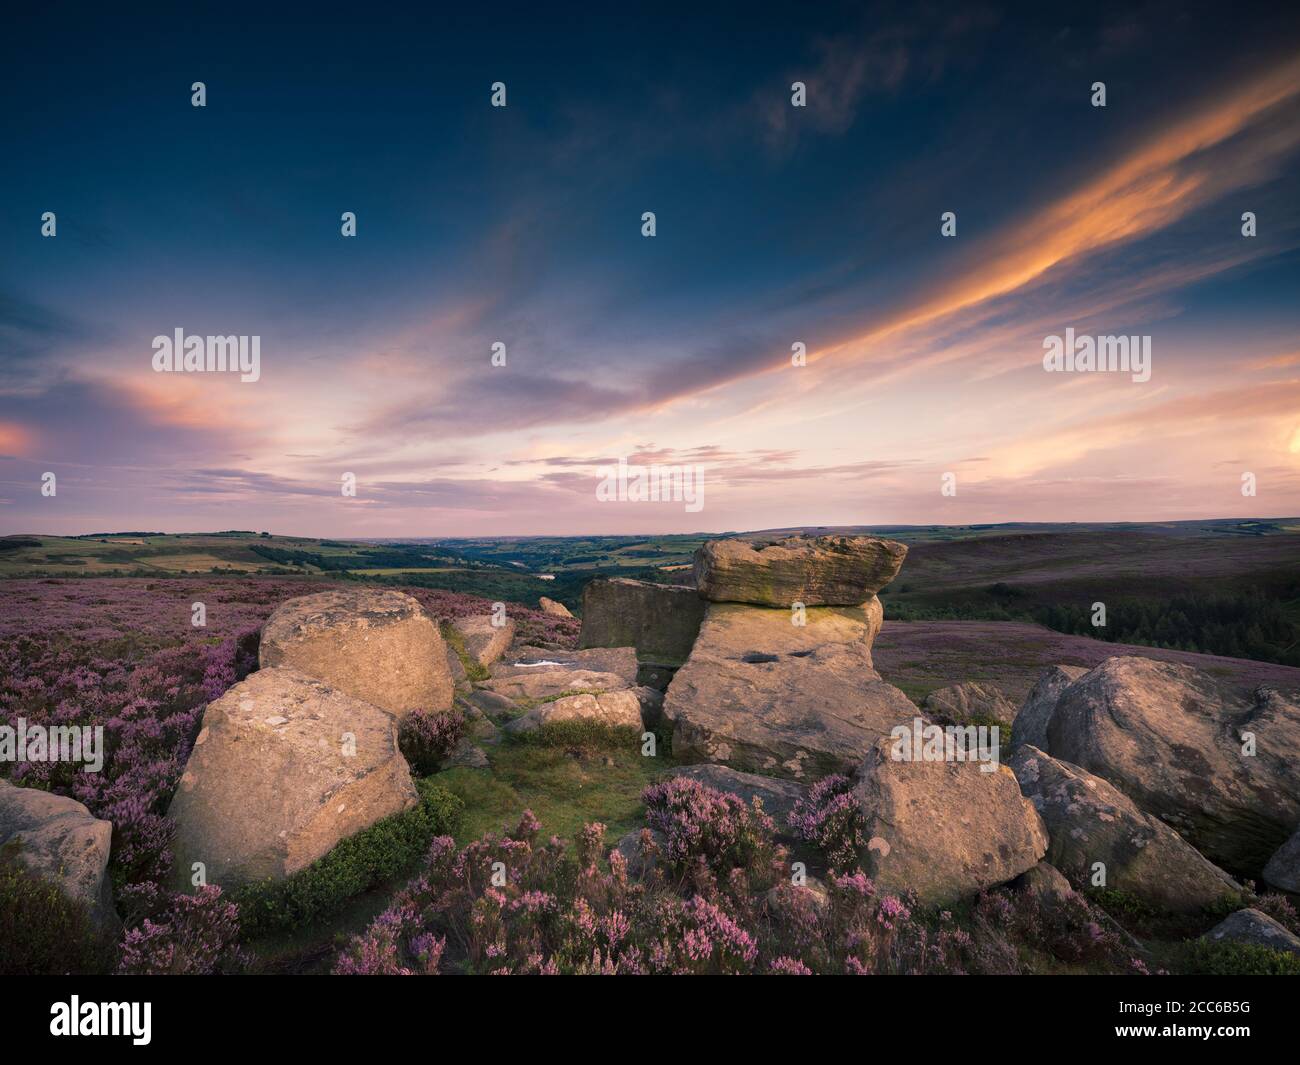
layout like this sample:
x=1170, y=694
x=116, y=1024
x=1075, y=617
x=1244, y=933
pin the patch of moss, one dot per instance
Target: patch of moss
x=473, y=671
x=567, y=777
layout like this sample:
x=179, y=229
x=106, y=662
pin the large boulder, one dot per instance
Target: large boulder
x=763, y=695
x=377, y=645
x=58, y=840
x=944, y=829
x=1283, y=868
x=1030, y=725
x=659, y=620
x=283, y=768
x=813, y=570
x=1089, y=821
x=969, y=703
x=1256, y=929
x=1179, y=743
x=485, y=640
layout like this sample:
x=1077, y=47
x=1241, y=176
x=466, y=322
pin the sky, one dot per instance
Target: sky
x=923, y=398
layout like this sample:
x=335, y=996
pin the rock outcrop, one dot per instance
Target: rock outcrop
x=946, y=830
x=376, y=645
x=1256, y=929
x=485, y=641
x=283, y=768
x=59, y=841
x=968, y=703
x=1217, y=766
x=1030, y=725
x=660, y=620
x=1091, y=822
x=763, y=695
x=813, y=570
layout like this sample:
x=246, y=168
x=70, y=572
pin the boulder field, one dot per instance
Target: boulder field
x=1173, y=784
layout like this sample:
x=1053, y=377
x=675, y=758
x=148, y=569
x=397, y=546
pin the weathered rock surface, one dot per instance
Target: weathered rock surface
x=1090, y=821
x=1174, y=740
x=1030, y=725
x=485, y=642
x=549, y=606
x=762, y=695
x=659, y=620
x=1256, y=928
x=813, y=570
x=968, y=702
x=455, y=666
x=376, y=645
x=283, y=768
x=615, y=709
x=535, y=673
x=58, y=840
x=1283, y=869
x=945, y=830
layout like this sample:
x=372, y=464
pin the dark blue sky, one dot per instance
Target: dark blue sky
x=522, y=225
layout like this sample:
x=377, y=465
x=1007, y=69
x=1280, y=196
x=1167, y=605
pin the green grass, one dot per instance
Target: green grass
x=560, y=773
x=473, y=671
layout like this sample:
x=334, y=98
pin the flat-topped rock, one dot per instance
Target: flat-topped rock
x=813, y=570
x=763, y=695
x=485, y=640
x=377, y=645
x=1090, y=821
x=946, y=830
x=283, y=768
x=1217, y=765
x=660, y=620
x=537, y=673
x=59, y=841
x=614, y=709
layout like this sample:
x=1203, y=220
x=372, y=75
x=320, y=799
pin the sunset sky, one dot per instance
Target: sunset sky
x=522, y=224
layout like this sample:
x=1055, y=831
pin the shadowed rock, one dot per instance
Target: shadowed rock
x=376, y=645
x=1030, y=724
x=659, y=620
x=813, y=570
x=1090, y=821
x=59, y=841
x=1252, y=927
x=1217, y=766
x=1283, y=869
x=763, y=695
x=946, y=830
x=283, y=768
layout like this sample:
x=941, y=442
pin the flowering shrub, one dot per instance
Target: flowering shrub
x=830, y=818
x=122, y=653
x=196, y=936
x=426, y=737
x=713, y=894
